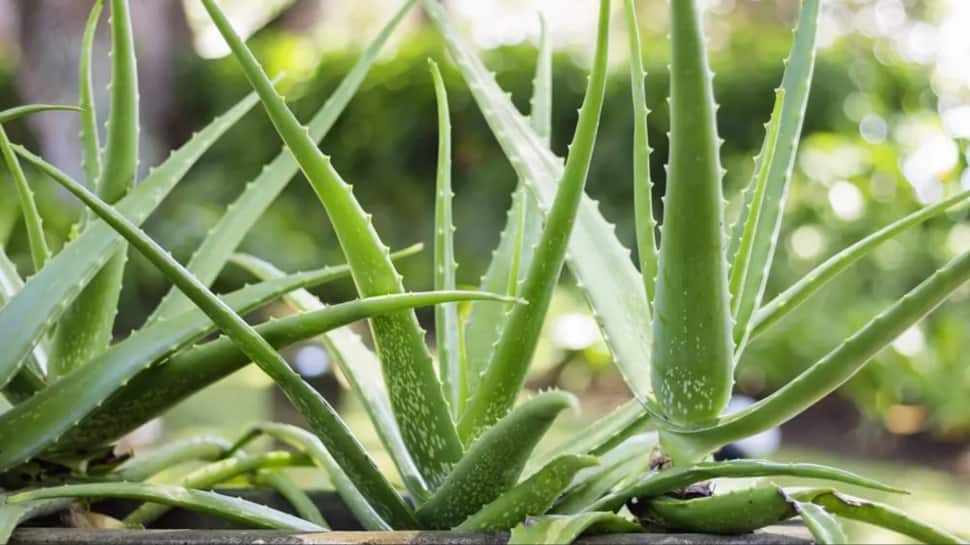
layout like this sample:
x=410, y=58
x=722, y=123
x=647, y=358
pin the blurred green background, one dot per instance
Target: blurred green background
x=886, y=132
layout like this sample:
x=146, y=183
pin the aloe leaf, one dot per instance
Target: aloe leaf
x=660, y=482
x=47, y=294
x=447, y=334
x=11, y=114
x=90, y=146
x=796, y=84
x=296, y=496
x=800, y=291
x=620, y=306
x=736, y=512
x=693, y=363
x=498, y=387
x=823, y=526
x=532, y=497
x=31, y=378
x=158, y=388
x=226, y=507
x=85, y=330
x=493, y=462
x=415, y=392
x=877, y=514
x=646, y=224
x=360, y=366
x=566, y=529
x=306, y=442
x=12, y=515
x=37, y=423
x=512, y=258
x=833, y=370
x=172, y=454
x=208, y=476
x=239, y=218
x=39, y=251
x=320, y=415
x=740, y=297
x=624, y=463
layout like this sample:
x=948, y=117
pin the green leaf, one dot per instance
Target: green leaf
x=447, y=332
x=532, y=497
x=693, y=360
x=877, y=514
x=498, y=388
x=832, y=371
x=646, y=224
x=30, y=380
x=226, y=507
x=800, y=291
x=736, y=512
x=493, y=462
x=145, y=465
x=298, y=498
x=415, y=392
x=211, y=475
x=660, y=482
x=39, y=250
x=11, y=114
x=517, y=243
x=319, y=414
x=46, y=295
x=360, y=366
x=86, y=328
x=624, y=463
x=595, y=253
x=740, y=297
x=796, y=85
x=90, y=146
x=306, y=442
x=825, y=529
x=12, y=515
x=240, y=217
x=566, y=529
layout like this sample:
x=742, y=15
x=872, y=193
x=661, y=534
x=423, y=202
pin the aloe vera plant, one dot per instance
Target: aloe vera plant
x=462, y=444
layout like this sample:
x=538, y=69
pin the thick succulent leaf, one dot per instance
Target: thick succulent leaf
x=20, y=111
x=660, y=482
x=158, y=388
x=736, y=512
x=31, y=378
x=512, y=258
x=624, y=463
x=809, y=284
x=494, y=462
x=360, y=366
x=39, y=251
x=296, y=496
x=90, y=146
x=47, y=294
x=319, y=414
x=227, y=507
x=447, y=332
x=239, y=218
x=143, y=466
x=741, y=297
x=832, y=371
x=646, y=224
x=211, y=475
x=693, y=355
x=415, y=392
x=86, y=328
x=499, y=387
x=877, y=514
x=12, y=515
x=595, y=253
x=532, y=497
x=314, y=448
x=565, y=529
x=795, y=84
x=823, y=526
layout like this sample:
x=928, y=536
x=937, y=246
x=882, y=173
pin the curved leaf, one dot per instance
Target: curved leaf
x=825, y=529
x=298, y=498
x=565, y=529
x=90, y=146
x=20, y=111
x=39, y=250
x=171, y=454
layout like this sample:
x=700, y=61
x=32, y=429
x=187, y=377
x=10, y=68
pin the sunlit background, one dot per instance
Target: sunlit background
x=887, y=131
